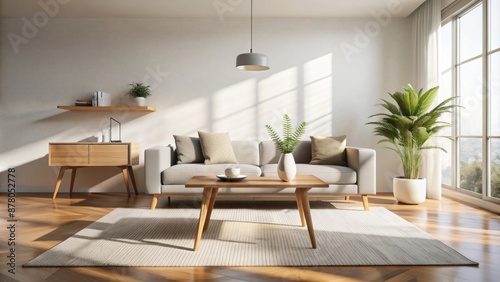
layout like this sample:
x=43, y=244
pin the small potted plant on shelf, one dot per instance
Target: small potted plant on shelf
x=287, y=169
x=140, y=92
x=407, y=127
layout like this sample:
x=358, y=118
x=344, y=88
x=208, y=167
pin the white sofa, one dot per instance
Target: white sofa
x=164, y=176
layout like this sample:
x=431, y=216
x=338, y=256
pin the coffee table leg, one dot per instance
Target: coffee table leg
x=307, y=214
x=205, y=203
x=213, y=197
x=300, y=207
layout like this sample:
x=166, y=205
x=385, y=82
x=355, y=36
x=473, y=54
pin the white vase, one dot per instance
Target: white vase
x=409, y=191
x=287, y=169
x=141, y=101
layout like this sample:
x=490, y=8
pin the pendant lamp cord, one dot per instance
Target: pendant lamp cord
x=251, y=25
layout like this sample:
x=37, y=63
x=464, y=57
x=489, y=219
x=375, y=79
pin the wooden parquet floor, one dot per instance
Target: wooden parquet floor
x=42, y=223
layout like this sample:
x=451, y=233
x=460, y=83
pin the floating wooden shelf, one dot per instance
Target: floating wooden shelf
x=111, y=108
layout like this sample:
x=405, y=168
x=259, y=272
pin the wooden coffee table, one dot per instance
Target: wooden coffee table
x=211, y=185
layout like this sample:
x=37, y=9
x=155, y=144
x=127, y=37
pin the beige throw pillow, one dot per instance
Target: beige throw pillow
x=217, y=148
x=327, y=150
x=188, y=149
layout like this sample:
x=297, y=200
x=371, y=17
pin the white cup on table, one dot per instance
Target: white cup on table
x=232, y=171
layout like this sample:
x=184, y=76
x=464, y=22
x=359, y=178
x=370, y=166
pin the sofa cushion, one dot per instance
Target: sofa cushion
x=217, y=148
x=180, y=174
x=332, y=174
x=328, y=150
x=246, y=152
x=188, y=149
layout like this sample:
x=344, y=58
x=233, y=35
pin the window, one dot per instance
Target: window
x=445, y=91
x=493, y=58
x=470, y=69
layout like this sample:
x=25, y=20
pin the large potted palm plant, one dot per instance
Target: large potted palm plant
x=407, y=126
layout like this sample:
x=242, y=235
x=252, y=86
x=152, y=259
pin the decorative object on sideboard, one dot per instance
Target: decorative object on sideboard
x=103, y=134
x=408, y=127
x=111, y=130
x=252, y=61
x=287, y=168
x=140, y=92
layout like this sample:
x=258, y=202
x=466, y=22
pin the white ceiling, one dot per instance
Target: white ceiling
x=206, y=8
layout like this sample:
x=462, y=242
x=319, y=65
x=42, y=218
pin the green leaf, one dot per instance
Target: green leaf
x=290, y=138
x=426, y=100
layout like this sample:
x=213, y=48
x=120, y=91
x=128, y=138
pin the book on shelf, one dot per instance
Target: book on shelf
x=83, y=103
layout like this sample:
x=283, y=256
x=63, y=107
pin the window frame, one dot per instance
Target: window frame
x=485, y=102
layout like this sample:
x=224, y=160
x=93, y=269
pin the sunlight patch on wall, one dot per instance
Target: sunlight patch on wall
x=318, y=96
x=233, y=110
x=187, y=118
x=277, y=95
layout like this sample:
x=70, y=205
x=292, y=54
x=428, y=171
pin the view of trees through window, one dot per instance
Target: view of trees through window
x=472, y=72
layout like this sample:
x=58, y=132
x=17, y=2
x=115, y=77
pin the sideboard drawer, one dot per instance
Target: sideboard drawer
x=109, y=155
x=63, y=155
x=93, y=154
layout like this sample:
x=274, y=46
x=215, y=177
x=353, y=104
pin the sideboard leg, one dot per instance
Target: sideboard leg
x=132, y=178
x=73, y=176
x=125, y=178
x=58, y=182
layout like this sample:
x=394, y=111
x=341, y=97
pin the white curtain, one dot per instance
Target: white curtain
x=426, y=24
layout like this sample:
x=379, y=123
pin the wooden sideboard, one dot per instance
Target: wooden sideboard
x=76, y=155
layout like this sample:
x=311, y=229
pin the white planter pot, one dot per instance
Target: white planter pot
x=287, y=169
x=409, y=191
x=141, y=101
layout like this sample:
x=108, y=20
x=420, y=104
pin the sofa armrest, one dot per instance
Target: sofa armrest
x=363, y=161
x=156, y=160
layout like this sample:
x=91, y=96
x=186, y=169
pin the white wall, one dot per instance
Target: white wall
x=328, y=72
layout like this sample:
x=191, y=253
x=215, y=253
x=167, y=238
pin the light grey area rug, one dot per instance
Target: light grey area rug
x=249, y=237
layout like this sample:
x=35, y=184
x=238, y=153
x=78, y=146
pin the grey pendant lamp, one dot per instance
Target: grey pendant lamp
x=251, y=61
